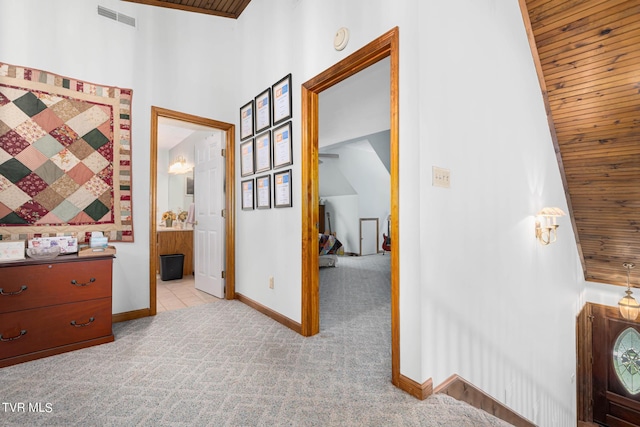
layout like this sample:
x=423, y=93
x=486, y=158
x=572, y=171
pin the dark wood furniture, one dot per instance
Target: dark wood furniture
x=53, y=306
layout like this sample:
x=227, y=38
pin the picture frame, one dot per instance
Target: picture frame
x=188, y=185
x=282, y=101
x=282, y=189
x=263, y=192
x=246, y=120
x=247, y=194
x=263, y=111
x=282, y=146
x=247, y=158
x=263, y=152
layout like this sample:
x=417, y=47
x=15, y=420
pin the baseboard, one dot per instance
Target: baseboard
x=284, y=320
x=461, y=389
x=130, y=315
x=415, y=389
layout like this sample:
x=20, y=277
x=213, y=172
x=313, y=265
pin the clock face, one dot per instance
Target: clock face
x=341, y=39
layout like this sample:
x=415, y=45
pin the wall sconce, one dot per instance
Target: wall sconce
x=629, y=307
x=179, y=166
x=547, y=226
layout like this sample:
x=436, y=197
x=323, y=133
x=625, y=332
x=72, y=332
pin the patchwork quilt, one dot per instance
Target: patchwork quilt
x=65, y=157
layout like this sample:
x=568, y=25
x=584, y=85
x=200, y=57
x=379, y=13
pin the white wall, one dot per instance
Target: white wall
x=478, y=295
x=498, y=307
x=168, y=61
x=344, y=220
x=361, y=167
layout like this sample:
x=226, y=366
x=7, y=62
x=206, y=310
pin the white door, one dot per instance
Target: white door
x=209, y=203
x=368, y=236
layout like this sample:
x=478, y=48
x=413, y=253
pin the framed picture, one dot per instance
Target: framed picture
x=188, y=185
x=282, y=155
x=247, y=195
x=246, y=158
x=263, y=152
x=281, y=100
x=282, y=189
x=263, y=110
x=263, y=192
x=246, y=120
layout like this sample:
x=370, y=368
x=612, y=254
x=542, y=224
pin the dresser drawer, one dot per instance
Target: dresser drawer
x=49, y=327
x=25, y=287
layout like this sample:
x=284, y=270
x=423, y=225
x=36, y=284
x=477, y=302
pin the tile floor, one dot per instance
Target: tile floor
x=180, y=293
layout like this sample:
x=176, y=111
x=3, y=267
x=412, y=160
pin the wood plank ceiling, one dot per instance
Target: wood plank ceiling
x=224, y=8
x=588, y=57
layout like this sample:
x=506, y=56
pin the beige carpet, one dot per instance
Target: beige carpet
x=224, y=364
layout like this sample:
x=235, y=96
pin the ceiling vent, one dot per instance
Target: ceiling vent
x=116, y=16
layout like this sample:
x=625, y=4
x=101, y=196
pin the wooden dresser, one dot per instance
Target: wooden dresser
x=53, y=306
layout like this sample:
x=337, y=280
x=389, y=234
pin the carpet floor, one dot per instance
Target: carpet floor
x=225, y=364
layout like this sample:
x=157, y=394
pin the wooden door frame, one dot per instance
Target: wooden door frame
x=386, y=45
x=230, y=215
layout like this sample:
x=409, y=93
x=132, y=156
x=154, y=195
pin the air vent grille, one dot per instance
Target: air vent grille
x=107, y=13
x=116, y=16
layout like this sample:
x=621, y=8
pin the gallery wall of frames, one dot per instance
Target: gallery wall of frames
x=266, y=148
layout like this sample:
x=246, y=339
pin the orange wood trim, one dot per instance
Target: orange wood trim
x=153, y=203
x=130, y=315
x=295, y=326
x=386, y=45
x=417, y=390
x=230, y=208
x=186, y=8
x=461, y=389
x=230, y=198
x=584, y=368
x=310, y=318
x=394, y=53
x=552, y=128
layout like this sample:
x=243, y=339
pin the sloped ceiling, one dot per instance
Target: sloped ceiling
x=224, y=8
x=587, y=54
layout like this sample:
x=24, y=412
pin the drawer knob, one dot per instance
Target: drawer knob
x=22, y=332
x=75, y=282
x=81, y=325
x=6, y=294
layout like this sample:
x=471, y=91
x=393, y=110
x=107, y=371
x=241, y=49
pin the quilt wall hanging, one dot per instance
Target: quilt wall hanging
x=65, y=157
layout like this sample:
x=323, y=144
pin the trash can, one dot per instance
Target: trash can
x=171, y=266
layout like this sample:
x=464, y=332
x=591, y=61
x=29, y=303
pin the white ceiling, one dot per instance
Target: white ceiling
x=172, y=132
x=356, y=106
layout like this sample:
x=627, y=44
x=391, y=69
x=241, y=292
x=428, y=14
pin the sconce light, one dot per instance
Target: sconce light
x=629, y=307
x=179, y=166
x=547, y=226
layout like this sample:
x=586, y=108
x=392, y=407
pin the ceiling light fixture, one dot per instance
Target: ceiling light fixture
x=629, y=307
x=179, y=166
x=547, y=225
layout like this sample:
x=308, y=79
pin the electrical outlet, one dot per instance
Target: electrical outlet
x=441, y=177
x=271, y=282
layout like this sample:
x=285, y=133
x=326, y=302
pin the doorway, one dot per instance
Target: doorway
x=229, y=202
x=385, y=46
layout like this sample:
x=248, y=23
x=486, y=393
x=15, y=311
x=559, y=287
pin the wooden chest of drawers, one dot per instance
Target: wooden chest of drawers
x=54, y=306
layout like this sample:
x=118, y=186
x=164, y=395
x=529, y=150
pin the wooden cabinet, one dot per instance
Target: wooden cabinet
x=54, y=306
x=176, y=242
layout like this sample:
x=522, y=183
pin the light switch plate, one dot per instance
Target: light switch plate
x=441, y=177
